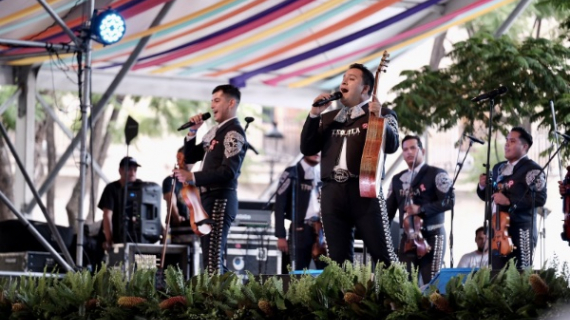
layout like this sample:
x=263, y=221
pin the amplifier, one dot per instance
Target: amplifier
x=29, y=261
x=147, y=256
x=254, y=250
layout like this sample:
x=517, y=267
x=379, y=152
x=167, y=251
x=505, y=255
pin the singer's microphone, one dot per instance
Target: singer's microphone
x=567, y=137
x=188, y=124
x=472, y=138
x=491, y=94
x=335, y=96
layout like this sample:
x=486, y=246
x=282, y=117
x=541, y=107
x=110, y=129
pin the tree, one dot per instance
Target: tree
x=533, y=71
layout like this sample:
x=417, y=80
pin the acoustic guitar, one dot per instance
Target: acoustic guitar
x=372, y=163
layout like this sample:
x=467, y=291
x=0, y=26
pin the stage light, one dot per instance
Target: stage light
x=108, y=27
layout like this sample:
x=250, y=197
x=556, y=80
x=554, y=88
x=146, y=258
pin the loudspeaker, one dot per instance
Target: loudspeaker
x=15, y=237
x=143, y=208
x=445, y=274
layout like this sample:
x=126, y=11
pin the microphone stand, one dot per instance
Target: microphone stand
x=450, y=196
x=249, y=120
x=488, y=189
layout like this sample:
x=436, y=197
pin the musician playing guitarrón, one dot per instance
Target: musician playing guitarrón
x=429, y=200
x=516, y=175
x=340, y=136
x=221, y=151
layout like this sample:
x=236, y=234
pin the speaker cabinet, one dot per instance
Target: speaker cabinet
x=143, y=208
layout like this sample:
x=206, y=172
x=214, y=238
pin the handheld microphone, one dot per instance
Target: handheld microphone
x=188, y=124
x=491, y=94
x=472, y=138
x=335, y=96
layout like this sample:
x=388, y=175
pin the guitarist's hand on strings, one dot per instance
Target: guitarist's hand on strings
x=375, y=107
x=184, y=176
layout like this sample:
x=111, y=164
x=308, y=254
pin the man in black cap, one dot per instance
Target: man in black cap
x=112, y=199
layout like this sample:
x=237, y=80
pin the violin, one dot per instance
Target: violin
x=413, y=225
x=199, y=219
x=502, y=243
x=320, y=244
x=565, y=193
x=415, y=241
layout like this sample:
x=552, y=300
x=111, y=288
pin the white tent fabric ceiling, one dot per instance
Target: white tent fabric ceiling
x=280, y=51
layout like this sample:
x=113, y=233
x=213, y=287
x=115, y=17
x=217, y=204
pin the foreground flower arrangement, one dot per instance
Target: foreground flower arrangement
x=340, y=292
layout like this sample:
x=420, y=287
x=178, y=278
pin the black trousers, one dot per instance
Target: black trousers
x=430, y=264
x=524, y=240
x=222, y=207
x=342, y=210
x=303, y=252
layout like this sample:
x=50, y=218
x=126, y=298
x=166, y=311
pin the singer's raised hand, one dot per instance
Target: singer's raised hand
x=316, y=111
x=197, y=120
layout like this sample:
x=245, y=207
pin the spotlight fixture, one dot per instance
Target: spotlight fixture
x=108, y=27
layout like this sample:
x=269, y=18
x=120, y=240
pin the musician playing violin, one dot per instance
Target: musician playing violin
x=340, y=136
x=515, y=176
x=424, y=193
x=179, y=209
x=221, y=151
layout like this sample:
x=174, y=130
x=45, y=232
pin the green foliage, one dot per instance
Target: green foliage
x=340, y=292
x=534, y=72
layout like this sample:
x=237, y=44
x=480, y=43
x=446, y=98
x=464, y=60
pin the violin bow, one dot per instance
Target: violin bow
x=168, y=214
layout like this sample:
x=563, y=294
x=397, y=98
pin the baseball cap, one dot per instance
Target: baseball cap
x=129, y=161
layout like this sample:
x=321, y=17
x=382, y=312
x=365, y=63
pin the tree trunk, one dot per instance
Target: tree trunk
x=6, y=181
x=100, y=144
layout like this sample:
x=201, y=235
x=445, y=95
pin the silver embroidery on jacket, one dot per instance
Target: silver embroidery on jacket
x=443, y=182
x=539, y=181
x=233, y=143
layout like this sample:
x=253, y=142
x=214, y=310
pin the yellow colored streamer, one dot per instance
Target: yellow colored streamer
x=264, y=34
x=315, y=78
x=24, y=12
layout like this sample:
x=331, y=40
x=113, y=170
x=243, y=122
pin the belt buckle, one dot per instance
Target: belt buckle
x=341, y=175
